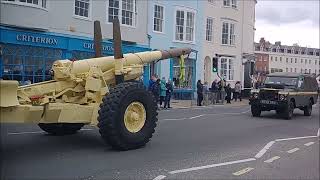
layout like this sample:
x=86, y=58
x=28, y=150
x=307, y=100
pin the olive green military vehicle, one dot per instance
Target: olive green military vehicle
x=284, y=92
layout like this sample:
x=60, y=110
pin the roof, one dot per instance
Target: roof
x=286, y=74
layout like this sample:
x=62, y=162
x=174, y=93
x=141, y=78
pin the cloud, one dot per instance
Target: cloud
x=287, y=12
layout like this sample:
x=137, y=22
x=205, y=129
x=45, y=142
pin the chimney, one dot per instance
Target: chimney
x=278, y=43
x=262, y=41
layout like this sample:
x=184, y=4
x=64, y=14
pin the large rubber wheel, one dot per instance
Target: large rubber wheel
x=60, y=129
x=255, y=111
x=288, y=112
x=127, y=116
x=307, y=111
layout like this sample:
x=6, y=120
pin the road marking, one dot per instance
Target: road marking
x=33, y=132
x=264, y=150
x=211, y=166
x=197, y=116
x=159, y=177
x=178, y=119
x=309, y=143
x=194, y=117
x=272, y=159
x=287, y=139
x=293, y=150
x=39, y=132
x=243, y=171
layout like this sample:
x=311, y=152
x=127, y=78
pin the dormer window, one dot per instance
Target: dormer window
x=296, y=52
x=282, y=50
x=261, y=48
x=289, y=51
x=299, y=52
x=278, y=49
x=273, y=50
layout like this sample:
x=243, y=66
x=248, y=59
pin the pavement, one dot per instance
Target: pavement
x=212, y=142
x=178, y=104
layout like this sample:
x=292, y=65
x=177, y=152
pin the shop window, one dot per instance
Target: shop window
x=23, y=63
x=189, y=70
x=227, y=68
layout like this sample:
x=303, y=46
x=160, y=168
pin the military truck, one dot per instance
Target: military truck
x=284, y=92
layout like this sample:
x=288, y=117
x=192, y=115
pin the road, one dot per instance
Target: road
x=216, y=142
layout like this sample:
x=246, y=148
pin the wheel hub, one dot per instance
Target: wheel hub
x=135, y=117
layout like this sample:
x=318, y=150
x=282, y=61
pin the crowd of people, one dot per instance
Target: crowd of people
x=218, y=92
x=162, y=90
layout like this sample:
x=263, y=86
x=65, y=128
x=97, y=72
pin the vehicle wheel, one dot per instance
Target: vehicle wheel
x=255, y=111
x=308, y=109
x=127, y=116
x=60, y=129
x=288, y=113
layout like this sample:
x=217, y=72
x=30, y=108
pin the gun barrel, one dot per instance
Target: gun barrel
x=107, y=63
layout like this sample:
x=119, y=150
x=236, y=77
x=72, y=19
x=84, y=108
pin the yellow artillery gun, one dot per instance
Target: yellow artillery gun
x=102, y=91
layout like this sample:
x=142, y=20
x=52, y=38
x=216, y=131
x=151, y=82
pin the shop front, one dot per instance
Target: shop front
x=184, y=88
x=27, y=56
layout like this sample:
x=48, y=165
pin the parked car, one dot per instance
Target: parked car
x=284, y=92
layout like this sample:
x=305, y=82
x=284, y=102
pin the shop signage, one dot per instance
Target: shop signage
x=37, y=39
x=104, y=48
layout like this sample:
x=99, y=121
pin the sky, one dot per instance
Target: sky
x=288, y=21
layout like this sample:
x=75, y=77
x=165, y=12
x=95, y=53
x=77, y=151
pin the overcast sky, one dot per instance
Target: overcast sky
x=288, y=21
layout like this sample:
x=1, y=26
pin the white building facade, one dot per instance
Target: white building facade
x=283, y=58
x=229, y=28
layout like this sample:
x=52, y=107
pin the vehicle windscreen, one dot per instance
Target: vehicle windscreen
x=285, y=81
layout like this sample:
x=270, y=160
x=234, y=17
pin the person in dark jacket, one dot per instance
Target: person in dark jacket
x=151, y=82
x=169, y=91
x=214, y=91
x=155, y=89
x=199, y=92
x=228, y=91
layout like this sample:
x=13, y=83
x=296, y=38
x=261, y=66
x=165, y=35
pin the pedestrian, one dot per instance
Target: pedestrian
x=169, y=91
x=214, y=91
x=237, y=91
x=228, y=91
x=163, y=90
x=155, y=89
x=151, y=82
x=206, y=93
x=199, y=92
x=222, y=87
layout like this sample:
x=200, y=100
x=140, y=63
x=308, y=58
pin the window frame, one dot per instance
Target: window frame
x=230, y=68
x=185, y=11
x=163, y=20
x=32, y=5
x=134, y=18
x=208, y=33
x=229, y=35
x=89, y=18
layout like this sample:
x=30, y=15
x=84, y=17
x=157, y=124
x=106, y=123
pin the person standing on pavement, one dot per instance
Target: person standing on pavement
x=222, y=90
x=199, y=92
x=151, y=82
x=155, y=89
x=206, y=93
x=163, y=90
x=214, y=91
x=237, y=91
x=228, y=92
x=169, y=91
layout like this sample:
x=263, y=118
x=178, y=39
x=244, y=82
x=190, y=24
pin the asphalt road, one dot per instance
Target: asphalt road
x=198, y=143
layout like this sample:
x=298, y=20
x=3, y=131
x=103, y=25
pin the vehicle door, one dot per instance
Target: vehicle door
x=300, y=94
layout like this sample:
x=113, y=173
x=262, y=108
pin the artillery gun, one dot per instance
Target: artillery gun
x=101, y=91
